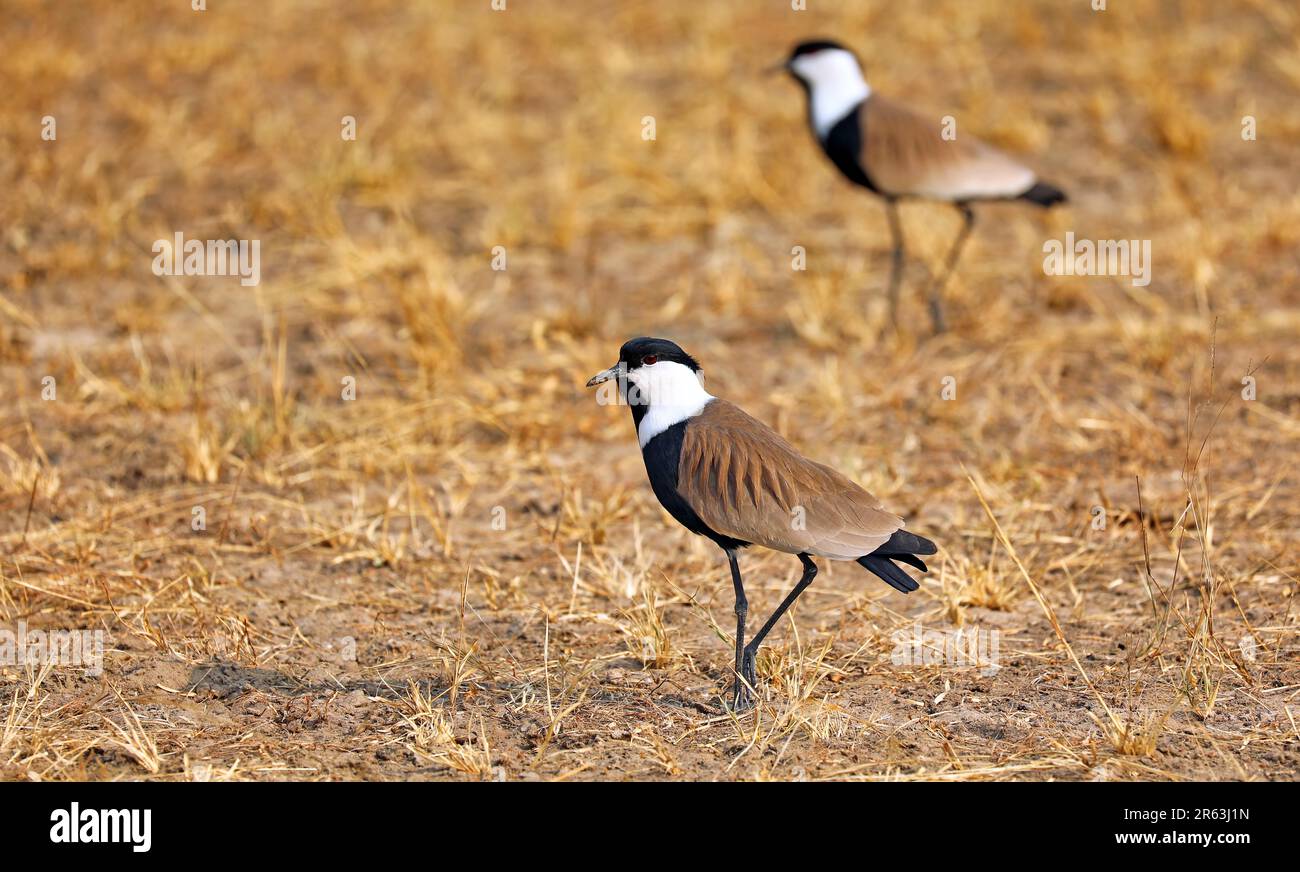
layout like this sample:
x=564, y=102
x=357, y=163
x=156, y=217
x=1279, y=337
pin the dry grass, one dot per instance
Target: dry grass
x=461, y=573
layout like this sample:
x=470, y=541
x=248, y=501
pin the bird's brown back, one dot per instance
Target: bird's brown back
x=905, y=154
x=746, y=482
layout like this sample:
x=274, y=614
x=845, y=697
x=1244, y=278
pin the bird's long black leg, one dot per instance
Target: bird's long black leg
x=741, y=697
x=751, y=650
x=936, y=288
x=896, y=268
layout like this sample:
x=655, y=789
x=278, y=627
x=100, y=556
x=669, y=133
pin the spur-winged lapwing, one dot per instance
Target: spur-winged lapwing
x=724, y=475
x=897, y=153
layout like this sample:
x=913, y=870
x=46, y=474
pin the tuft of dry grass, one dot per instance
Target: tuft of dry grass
x=432, y=739
x=648, y=638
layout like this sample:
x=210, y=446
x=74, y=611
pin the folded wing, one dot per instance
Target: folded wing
x=746, y=482
x=905, y=154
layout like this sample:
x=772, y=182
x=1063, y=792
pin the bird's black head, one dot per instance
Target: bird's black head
x=812, y=46
x=822, y=62
x=646, y=351
x=651, y=372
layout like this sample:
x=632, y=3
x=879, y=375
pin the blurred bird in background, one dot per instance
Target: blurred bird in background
x=895, y=152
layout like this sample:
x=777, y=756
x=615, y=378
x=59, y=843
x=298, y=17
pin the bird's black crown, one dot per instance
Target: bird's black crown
x=814, y=45
x=634, y=351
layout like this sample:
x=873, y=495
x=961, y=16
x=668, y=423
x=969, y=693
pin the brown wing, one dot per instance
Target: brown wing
x=746, y=482
x=905, y=154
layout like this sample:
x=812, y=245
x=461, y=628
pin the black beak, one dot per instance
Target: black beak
x=603, y=376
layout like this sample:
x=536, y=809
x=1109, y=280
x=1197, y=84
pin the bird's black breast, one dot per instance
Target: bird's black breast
x=662, y=455
x=843, y=145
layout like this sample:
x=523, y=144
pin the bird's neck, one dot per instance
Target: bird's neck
x=832, y=98
x=668, y=395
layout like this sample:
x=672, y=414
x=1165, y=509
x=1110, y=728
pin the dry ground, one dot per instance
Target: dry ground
x=462, y=573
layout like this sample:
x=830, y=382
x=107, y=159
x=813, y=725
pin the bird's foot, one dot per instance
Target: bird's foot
x=747, y=670
x=741, y=700
x=936, y=316
x=746, y=684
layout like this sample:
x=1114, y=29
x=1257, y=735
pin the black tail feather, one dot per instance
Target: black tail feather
x=891, y=574
x=909, y=559
x=903, y=547
x=903, y=542
x=1044, y=195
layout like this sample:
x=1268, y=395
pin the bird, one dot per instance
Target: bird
x=898, y=153
x=728, y=477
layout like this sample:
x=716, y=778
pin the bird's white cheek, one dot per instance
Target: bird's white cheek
x=638, y=389
x=804, y=68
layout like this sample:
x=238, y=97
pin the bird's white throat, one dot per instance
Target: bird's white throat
x=835, y=86
x=672, y=393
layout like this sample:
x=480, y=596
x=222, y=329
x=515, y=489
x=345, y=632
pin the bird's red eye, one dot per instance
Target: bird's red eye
x=649, y=360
